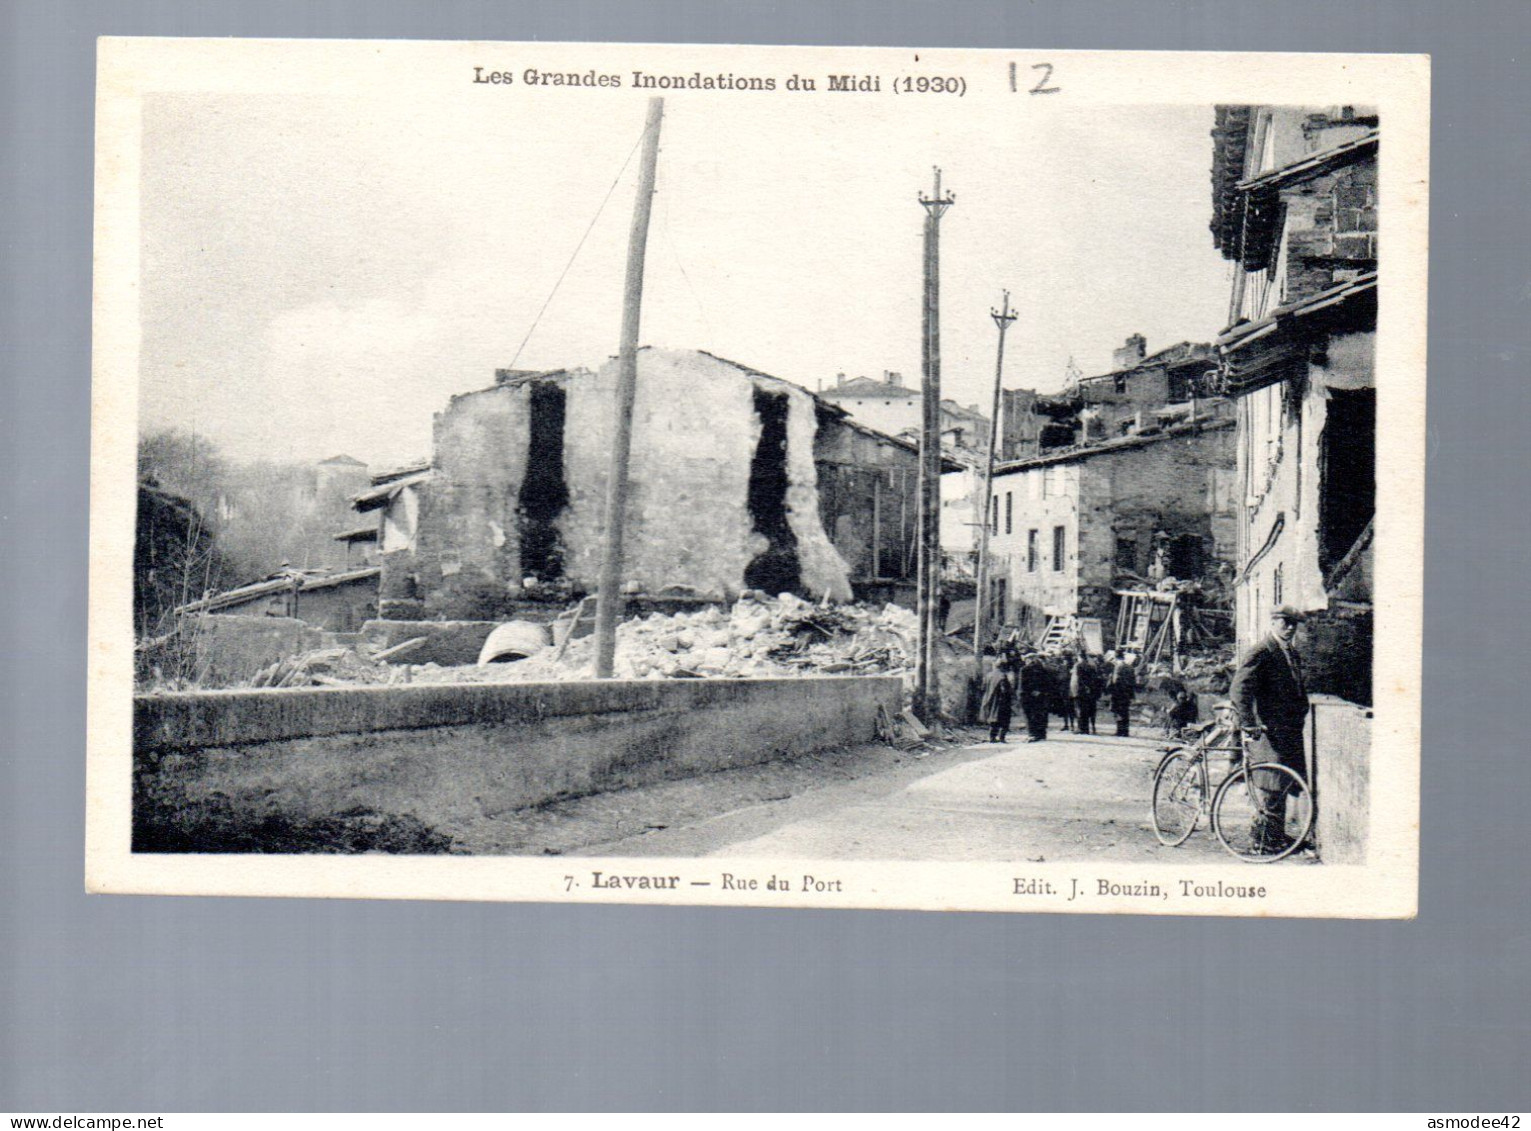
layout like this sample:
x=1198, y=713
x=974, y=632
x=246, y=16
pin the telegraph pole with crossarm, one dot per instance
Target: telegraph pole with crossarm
x=927, y=697
x=1002, y=318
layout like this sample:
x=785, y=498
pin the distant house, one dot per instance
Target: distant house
x=892, y=407
x=1127, y=399
x=339, y=602
x=888, y=404
x=738, y=479
x=393, y=499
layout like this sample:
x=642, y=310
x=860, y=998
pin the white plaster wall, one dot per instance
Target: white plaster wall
x=824, y=571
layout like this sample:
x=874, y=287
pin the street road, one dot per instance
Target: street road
x=1069, y=798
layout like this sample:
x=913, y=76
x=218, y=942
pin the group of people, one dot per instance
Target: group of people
x=1068, y=684
x=1268, y=697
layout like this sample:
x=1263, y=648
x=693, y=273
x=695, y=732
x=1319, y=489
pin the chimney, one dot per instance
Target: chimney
x=1135, y=350
x=894, y=379
x=839, y=380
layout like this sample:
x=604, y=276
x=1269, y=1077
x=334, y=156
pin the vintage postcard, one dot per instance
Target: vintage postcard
x=759, y=476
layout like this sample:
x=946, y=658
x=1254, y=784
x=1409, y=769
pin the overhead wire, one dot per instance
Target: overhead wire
x=675, y=254
x=575, y=253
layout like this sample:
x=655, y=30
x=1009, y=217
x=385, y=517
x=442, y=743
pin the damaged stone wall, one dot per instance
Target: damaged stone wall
x=466, y=549
x=694, y=436
x=1331, y=230
x=693, y=518
x=824, y=571
x=1178, y=486
x=868, y=492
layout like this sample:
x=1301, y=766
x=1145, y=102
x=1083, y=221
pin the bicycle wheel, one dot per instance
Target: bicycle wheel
x=1180, y=793
x=1236, y=805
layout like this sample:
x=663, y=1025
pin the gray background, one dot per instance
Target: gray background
x=138, y=1004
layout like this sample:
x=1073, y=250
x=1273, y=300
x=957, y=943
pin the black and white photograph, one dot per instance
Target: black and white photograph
x=758, y=476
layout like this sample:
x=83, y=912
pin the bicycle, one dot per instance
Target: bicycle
x=1182, y=786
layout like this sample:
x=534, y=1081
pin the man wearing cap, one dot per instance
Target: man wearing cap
x=1271, y=700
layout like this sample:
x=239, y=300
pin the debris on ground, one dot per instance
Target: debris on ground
x=325, y=667
x=757, y=637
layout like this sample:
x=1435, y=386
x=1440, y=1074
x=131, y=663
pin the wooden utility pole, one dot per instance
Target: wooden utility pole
x=927, y=692
x=609, y=596
x=1002, y=318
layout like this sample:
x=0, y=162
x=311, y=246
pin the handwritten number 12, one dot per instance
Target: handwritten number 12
x=1041, y=87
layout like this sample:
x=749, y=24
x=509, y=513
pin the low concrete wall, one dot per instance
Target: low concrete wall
x=230, y=649
x=449, y=754
x=1340, y=752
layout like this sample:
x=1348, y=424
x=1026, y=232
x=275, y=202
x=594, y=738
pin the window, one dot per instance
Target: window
x=1276, y=586
x=1009, y=513
x=994, y=514
x=1057, y=549
x=1126, y=552
x=1031, y=551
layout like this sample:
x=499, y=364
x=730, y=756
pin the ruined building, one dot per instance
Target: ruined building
x=1142, y=394
x=1020, y=425
x=1117, y=480
x=737, y=480
x=1133, y=396
x=1070, y=527
x=1294, y=206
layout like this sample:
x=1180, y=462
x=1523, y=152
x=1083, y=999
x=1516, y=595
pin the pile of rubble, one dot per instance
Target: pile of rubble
x=758, y=637
x=1206, y=671
x=324, y=667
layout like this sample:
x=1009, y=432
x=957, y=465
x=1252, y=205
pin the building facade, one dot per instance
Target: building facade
x=1295, y=209
x=1068, y=529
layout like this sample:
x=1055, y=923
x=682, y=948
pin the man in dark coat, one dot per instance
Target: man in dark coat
x=1271, y=699
x=1084, y=690
x=998, y=700
x=1058, y=667
x=1122, y=687
x=1036, y=696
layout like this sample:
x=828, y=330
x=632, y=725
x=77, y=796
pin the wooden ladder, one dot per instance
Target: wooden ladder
x=1060, y=631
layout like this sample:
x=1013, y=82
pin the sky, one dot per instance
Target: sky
x=321, y=273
